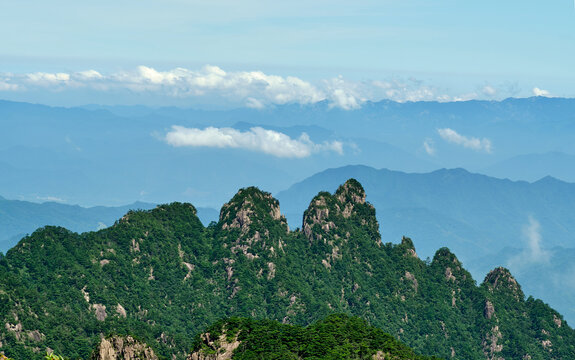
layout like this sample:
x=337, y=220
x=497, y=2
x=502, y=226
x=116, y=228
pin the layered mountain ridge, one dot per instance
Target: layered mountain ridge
x=487, y=222
x=163, y=277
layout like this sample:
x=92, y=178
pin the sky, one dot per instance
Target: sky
x=343, y=52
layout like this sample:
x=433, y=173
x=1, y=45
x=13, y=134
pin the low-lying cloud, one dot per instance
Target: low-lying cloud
x=256, y=139
x=540, y=92
x=533, y=253
x=473, y=143
x=429, y=147
x=254, y=89
x=50, y=199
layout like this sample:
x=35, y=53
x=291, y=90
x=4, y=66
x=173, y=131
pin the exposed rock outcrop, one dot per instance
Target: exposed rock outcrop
x=100, y=311
x=410, y=277
x=491, y=345
x=450, y=267
x=123, y=348
x=407, y=244
x=500, y=280
x=256, y=214
x=250, y=205
x=327, y=212
x=215, y=349
x=489, y=310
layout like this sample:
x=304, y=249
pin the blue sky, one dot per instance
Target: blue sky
x=451, y=49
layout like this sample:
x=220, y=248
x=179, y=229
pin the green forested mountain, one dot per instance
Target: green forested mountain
x=336, y=337
x=163, y=277
x=18, y=218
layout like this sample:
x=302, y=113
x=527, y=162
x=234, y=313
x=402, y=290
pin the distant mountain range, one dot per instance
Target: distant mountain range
x=488, y=222
x=532, y=167
x=117, y=155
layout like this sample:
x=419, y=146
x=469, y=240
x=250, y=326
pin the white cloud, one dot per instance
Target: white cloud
x=533, y=253
x=429, y=146
x=256, y=139
x=89, y=75
x=46, y=79
x=6, y=86
x=411, y=89
x=254, y=89
x=50, y=199
x=489, y=91
x=472, y=143
x=254, y=103
x=343, y=94
x=540, y=92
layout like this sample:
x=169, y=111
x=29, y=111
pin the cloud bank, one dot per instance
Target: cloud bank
x=256, y=139
x=254, y=89
x=473, y=143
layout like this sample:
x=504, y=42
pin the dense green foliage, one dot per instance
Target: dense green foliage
x=163, y=277
x=339, y=336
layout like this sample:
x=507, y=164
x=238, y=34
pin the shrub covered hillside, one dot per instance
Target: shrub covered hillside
x=162, y=277
x=336, y=337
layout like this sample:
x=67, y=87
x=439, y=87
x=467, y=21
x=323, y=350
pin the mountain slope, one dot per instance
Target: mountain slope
x=18, y=218
x=476, y=216
x=162, y=276
x=336, y=337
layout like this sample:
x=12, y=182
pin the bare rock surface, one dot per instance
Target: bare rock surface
x=123, y=348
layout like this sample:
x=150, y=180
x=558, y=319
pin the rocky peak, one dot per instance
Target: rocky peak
x=335, y=215
x=123, y=348
x=351, y=192
x=450, y=266
x=318, y=212
x=248, y=206
x=407, y=244
x=445, y=256
x=500, y=280
x=253, y=225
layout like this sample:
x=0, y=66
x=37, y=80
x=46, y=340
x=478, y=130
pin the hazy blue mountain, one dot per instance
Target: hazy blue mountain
x=477, y=216
x=97, y=156
x=18, y=218
x=116, y=155
x=207, y=215
x=532, y=167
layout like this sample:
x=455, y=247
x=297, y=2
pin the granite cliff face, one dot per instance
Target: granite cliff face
x=123, y=348
x=164, y=277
